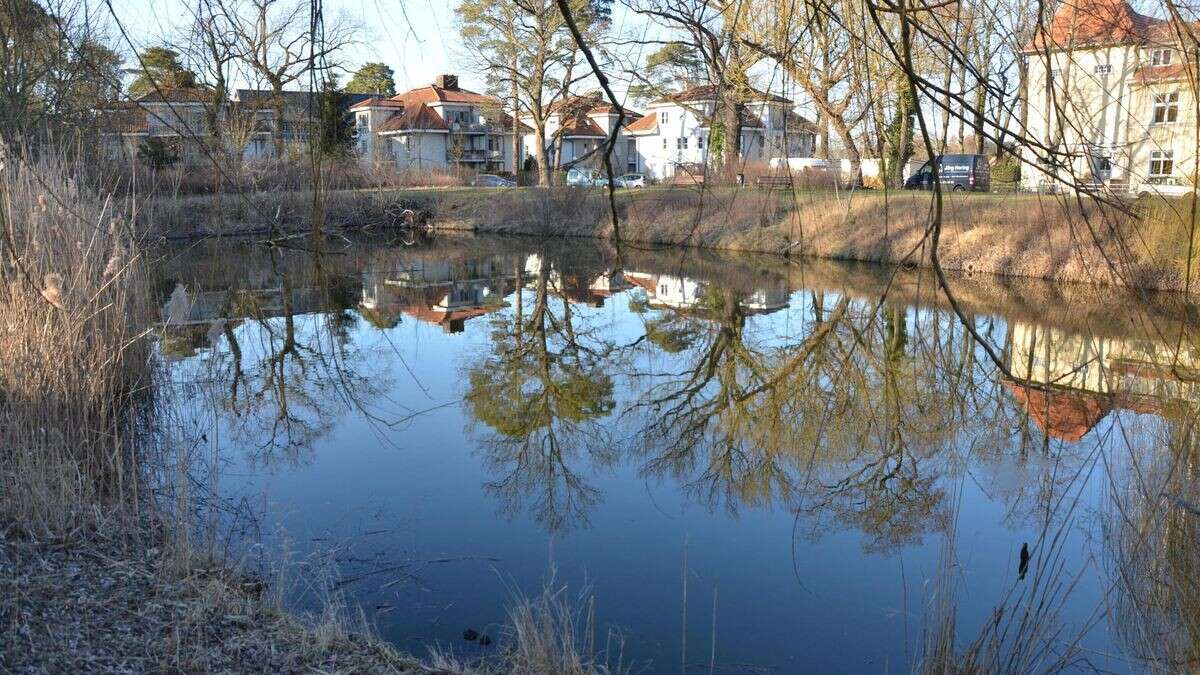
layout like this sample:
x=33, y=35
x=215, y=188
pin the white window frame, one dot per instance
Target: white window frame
x=663, y=117
x=1162, y=56
x=1162, y=164
x=1165, y=108
x=1102, y=68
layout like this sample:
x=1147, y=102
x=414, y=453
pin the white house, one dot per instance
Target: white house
x=578, y=126
x=1109, y=101
x=674, y=135
x=436, y=126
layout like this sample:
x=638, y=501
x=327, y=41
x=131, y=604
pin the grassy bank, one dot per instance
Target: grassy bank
x=1137, y=245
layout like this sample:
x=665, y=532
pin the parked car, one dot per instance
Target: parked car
x=492, y=180
x=586, y=178
x=956, y=172
x=630, y=180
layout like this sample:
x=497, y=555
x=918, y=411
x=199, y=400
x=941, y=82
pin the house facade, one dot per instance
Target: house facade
x=434, y=127
x=1109, y=103
x=178, y=121
x=578, y=128
x=675, y=136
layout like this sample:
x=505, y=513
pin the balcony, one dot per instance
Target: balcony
x=469, y=128
x=473, y=155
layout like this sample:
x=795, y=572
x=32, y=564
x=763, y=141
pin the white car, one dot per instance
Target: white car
x=630, y=180
x=586, y=178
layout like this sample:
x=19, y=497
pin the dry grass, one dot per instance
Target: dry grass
x=77, y=386
x=120, y=604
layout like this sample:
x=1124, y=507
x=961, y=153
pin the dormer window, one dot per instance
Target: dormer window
x=1161, y=57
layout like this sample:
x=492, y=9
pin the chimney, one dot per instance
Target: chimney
x=447, y=82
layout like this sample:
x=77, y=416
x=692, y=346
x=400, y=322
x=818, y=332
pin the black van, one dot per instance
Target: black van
x=955, y=172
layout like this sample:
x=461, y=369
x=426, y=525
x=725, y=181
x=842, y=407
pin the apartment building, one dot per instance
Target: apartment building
x=434, y=127
x=1108, y=100
x=179, y=119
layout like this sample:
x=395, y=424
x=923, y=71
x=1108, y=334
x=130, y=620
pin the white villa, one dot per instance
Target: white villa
x=1108, y=98
x=434, y=127
x=674, y=133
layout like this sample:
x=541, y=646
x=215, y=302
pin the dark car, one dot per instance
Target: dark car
x=955, y=172
x=492, y=180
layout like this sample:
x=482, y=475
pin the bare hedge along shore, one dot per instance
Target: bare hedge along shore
x=1138, y=244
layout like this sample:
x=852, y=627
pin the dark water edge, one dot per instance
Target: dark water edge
x=820, y=457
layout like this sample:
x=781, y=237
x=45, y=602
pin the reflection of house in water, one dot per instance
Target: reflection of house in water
x=438, y=292
x=1069, y=382
x=671, y=292
x=590, y=289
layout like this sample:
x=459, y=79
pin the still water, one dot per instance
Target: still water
x=730, y=463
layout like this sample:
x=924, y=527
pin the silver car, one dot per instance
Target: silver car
x=631, y=180
x=491, y=180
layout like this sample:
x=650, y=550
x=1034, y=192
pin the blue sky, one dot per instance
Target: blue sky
x=417, y=38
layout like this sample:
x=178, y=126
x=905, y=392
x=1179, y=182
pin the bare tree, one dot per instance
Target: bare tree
x=276, y=43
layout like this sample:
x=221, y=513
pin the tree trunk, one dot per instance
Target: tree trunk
x=517, y=159
x=278, y=106
x=852, y=152
x=539, y=150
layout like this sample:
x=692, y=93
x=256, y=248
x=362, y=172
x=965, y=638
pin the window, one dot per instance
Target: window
x=681, y=143
x=1103, y=68
x=1166, y=108
x=1161, y=57
x=662, y=118
x=664, y=143
x=1162, y=163
x=700, y=143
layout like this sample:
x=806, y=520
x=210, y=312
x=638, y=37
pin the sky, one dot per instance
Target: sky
x=417, y=38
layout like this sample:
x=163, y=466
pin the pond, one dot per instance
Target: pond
x=728, y=463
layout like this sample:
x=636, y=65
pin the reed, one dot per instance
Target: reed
x=78, y=379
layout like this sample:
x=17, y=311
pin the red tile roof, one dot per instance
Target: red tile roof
x=414, y=118
x=377, y=102
x=708, y=92
x=1095, y=22
x=580, y=125
x=1176, y=72
x=647, y=124
x=433, y=93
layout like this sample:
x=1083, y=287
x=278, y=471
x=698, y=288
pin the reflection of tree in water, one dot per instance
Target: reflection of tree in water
x=289, y=364
x=851, y=421
x=1155, y=550
x=543, y=390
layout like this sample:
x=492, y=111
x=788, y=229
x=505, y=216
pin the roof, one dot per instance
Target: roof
x=1176, y=72
x=708, y=92
x=176, y=95
x=414, y=118
x=435, y=94
x=122, y=118
x=377, y=102
x=1095, y=22
x=580, y=125
x=590, y=104
x=749, y=121
x=266, y=97
x=647, y=124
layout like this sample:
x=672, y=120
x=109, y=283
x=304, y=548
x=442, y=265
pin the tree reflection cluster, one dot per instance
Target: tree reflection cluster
x=851, y=399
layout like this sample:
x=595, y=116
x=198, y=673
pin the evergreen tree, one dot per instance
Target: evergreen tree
x=373, y=78
x=160, y=69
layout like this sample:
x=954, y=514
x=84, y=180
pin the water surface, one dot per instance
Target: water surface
x=740, y=463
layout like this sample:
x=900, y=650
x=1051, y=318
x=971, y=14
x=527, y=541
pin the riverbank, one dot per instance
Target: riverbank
x=119, y=601
x=1136, y=245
